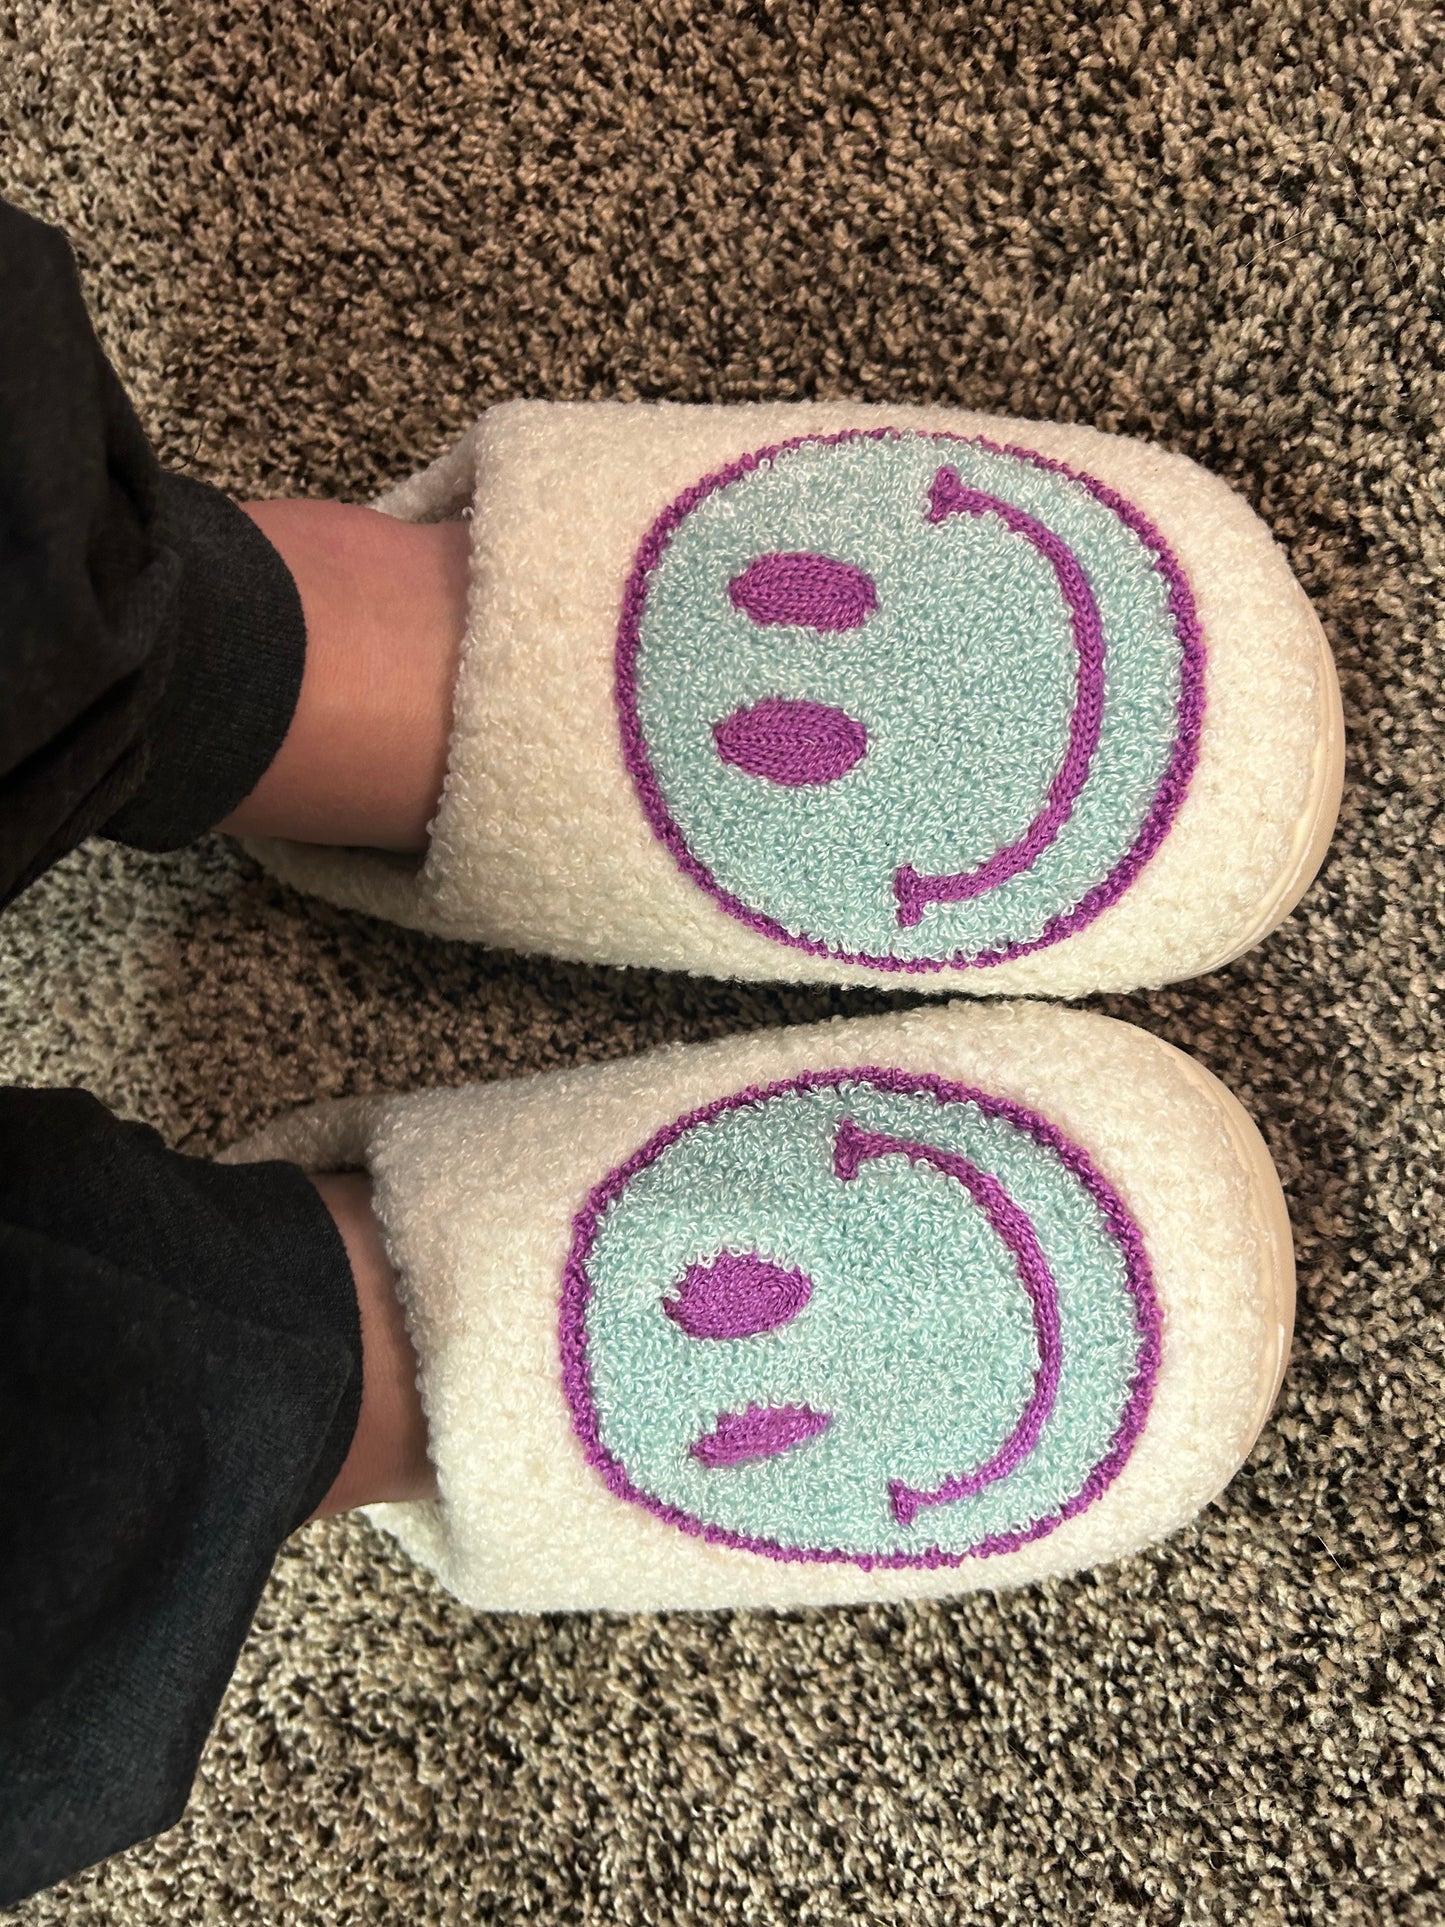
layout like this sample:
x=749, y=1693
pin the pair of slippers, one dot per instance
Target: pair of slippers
x=908, y=697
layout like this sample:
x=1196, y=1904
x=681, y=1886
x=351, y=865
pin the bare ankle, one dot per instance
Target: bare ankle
x=385, y=607
x=388, y=1457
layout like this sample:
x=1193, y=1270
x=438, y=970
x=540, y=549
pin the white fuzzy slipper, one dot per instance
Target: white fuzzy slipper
x=862, y=694
x=952, y=1299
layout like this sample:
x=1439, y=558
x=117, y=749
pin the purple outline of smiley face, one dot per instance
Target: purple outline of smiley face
x=799, y=741
x=735, y=1297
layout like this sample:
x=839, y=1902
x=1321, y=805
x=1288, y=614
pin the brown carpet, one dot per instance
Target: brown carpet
x=319, y=235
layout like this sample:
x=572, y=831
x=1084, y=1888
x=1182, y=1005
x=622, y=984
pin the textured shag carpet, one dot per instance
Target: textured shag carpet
x=318, y=236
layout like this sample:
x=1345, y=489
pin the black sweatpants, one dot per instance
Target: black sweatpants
x=180, y=1348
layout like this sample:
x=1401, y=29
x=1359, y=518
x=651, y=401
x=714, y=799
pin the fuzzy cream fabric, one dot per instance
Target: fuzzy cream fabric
x=320, y=239
x=477, y=1190
x=540, y=842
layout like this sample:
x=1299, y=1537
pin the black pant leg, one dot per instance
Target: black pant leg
x=180, y=1378
x=180, y=1351
x=151, y=639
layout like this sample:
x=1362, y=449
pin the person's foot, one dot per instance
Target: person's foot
x=837, y=692
x=385, y=607
x=900, y=1306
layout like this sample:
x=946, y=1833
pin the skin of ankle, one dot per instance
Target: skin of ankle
x=388, y=1456
x=385, y=609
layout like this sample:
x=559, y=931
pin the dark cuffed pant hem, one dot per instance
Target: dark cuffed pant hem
x=179, y=1388
x=237, y=648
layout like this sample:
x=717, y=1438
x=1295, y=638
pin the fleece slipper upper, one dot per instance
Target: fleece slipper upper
x=952, y=1299
x=865, y=694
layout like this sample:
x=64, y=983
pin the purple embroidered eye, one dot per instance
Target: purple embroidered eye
x=791, y=742
x=761, y=1432
x=737, y=1297
x=881, y=1428
x=806, y=591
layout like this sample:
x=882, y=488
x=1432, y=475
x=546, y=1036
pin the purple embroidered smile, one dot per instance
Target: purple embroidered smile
x=823, y=1430
x=742, y=1296
x=856, y=880
x=1012, y=1226
x=915, y=891
x=799, y=743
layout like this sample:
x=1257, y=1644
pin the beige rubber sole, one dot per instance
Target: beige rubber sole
x=1317, y=820
x=1277, y=1276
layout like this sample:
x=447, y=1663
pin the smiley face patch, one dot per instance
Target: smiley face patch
x=908, y=700
x=860, y=1315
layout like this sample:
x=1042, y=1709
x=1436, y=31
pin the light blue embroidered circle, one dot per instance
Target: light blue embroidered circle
x=909, y=700
x=889, y=1224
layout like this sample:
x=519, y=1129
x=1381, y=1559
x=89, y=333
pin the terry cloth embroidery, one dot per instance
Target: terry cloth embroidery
x=859, y=1315
x=738, y=1295
x=758, y=1433
x=795, y=743
x=908, y=700
x=812, y=590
